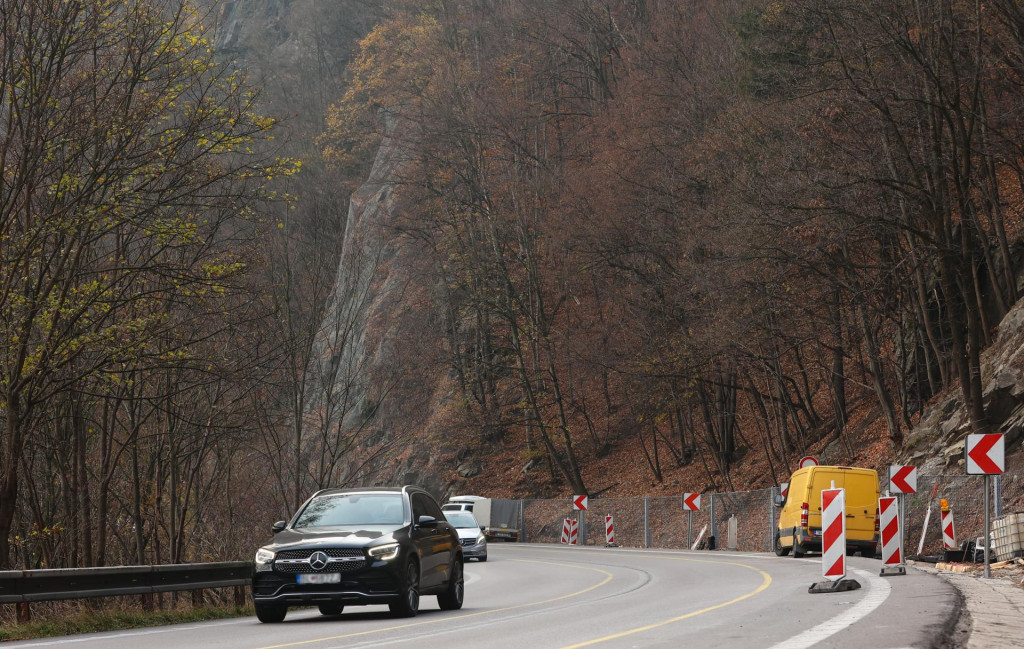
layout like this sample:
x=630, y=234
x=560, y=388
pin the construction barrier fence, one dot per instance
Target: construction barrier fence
x=661, y=522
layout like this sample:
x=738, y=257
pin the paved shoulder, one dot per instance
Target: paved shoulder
x=996, y=608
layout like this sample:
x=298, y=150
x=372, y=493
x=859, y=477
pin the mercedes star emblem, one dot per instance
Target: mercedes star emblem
x=318, y=560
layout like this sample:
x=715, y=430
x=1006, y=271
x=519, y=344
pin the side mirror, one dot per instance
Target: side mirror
x=426, y=521
x=278, y=526
x=483, y=527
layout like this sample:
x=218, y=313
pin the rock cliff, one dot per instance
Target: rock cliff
x=937, y=441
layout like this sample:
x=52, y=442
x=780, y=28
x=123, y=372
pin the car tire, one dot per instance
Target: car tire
x=270, y=613
x=798, y=550
x=408, y=603
x=331, y=609
x=483, y=558
x=869, y=551
x=779, y=550
x=451, y=598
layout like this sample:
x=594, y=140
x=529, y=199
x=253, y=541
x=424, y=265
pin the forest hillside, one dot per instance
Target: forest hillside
x=256, y=248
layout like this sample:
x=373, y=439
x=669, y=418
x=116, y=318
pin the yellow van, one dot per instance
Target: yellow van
x=799, y=527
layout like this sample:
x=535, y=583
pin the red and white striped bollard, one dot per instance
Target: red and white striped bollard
x=948, y=529
x=892, y=536
x=609, y=530
x=833, y=533
x=833, y=544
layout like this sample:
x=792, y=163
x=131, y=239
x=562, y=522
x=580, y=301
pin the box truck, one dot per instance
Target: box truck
x=498, y=517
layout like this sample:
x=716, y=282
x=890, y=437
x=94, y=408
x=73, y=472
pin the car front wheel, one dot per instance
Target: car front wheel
x=408, y=603
x=779, y=550
x=451, y=599
x=270, y=613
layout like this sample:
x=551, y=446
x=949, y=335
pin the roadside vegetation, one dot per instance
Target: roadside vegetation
x=83, y=618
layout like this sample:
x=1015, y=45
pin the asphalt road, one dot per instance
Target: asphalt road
x=539, y=596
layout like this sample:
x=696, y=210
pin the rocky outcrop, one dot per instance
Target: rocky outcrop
x=361, y=406
x=937, y=440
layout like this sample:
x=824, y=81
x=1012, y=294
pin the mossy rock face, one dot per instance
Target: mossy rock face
x=470, y=469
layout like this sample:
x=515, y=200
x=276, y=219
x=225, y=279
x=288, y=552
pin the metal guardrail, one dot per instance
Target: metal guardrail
x=20, y=587
x=73, y=583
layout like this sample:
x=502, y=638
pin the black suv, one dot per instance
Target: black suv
x=360, y=546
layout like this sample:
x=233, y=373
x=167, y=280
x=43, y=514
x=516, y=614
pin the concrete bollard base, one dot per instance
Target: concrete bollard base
x=838, y=586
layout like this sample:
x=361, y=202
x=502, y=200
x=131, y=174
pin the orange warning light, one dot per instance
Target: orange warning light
x=944, y=504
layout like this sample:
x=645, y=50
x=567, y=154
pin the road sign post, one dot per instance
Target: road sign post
x=689, y=527
x=988, y=526
x=712, y=534
x=986, y=455
x=902, y=480
x=691, y=503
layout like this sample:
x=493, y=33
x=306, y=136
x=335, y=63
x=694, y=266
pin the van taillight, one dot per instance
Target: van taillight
x=804, y=510
x=876, y=520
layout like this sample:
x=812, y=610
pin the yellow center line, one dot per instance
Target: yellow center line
x=766, y=580
x=608, y=577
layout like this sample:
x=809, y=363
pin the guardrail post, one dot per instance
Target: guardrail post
x=24, y=613
x=147, y=601
x=197, y=598
x=239, y=596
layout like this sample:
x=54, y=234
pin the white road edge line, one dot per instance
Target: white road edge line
x=875, y=597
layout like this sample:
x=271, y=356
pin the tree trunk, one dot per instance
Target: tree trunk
x=878, y=380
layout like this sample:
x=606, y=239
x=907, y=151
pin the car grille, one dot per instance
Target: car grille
x=468, y=542
x=333, y=553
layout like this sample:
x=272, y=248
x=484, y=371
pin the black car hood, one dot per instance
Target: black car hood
x=352, y=536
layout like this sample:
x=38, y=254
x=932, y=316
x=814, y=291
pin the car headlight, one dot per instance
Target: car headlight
x=384, y=552
x=481, y=539
x=264, y=558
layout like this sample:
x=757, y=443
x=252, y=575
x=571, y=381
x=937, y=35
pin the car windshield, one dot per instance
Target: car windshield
x=461, y=519
x=353, y=509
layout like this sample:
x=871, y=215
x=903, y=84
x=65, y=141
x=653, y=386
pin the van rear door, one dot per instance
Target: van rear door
x=861, y=504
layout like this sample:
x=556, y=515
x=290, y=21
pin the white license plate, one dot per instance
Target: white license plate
x=325, y=578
